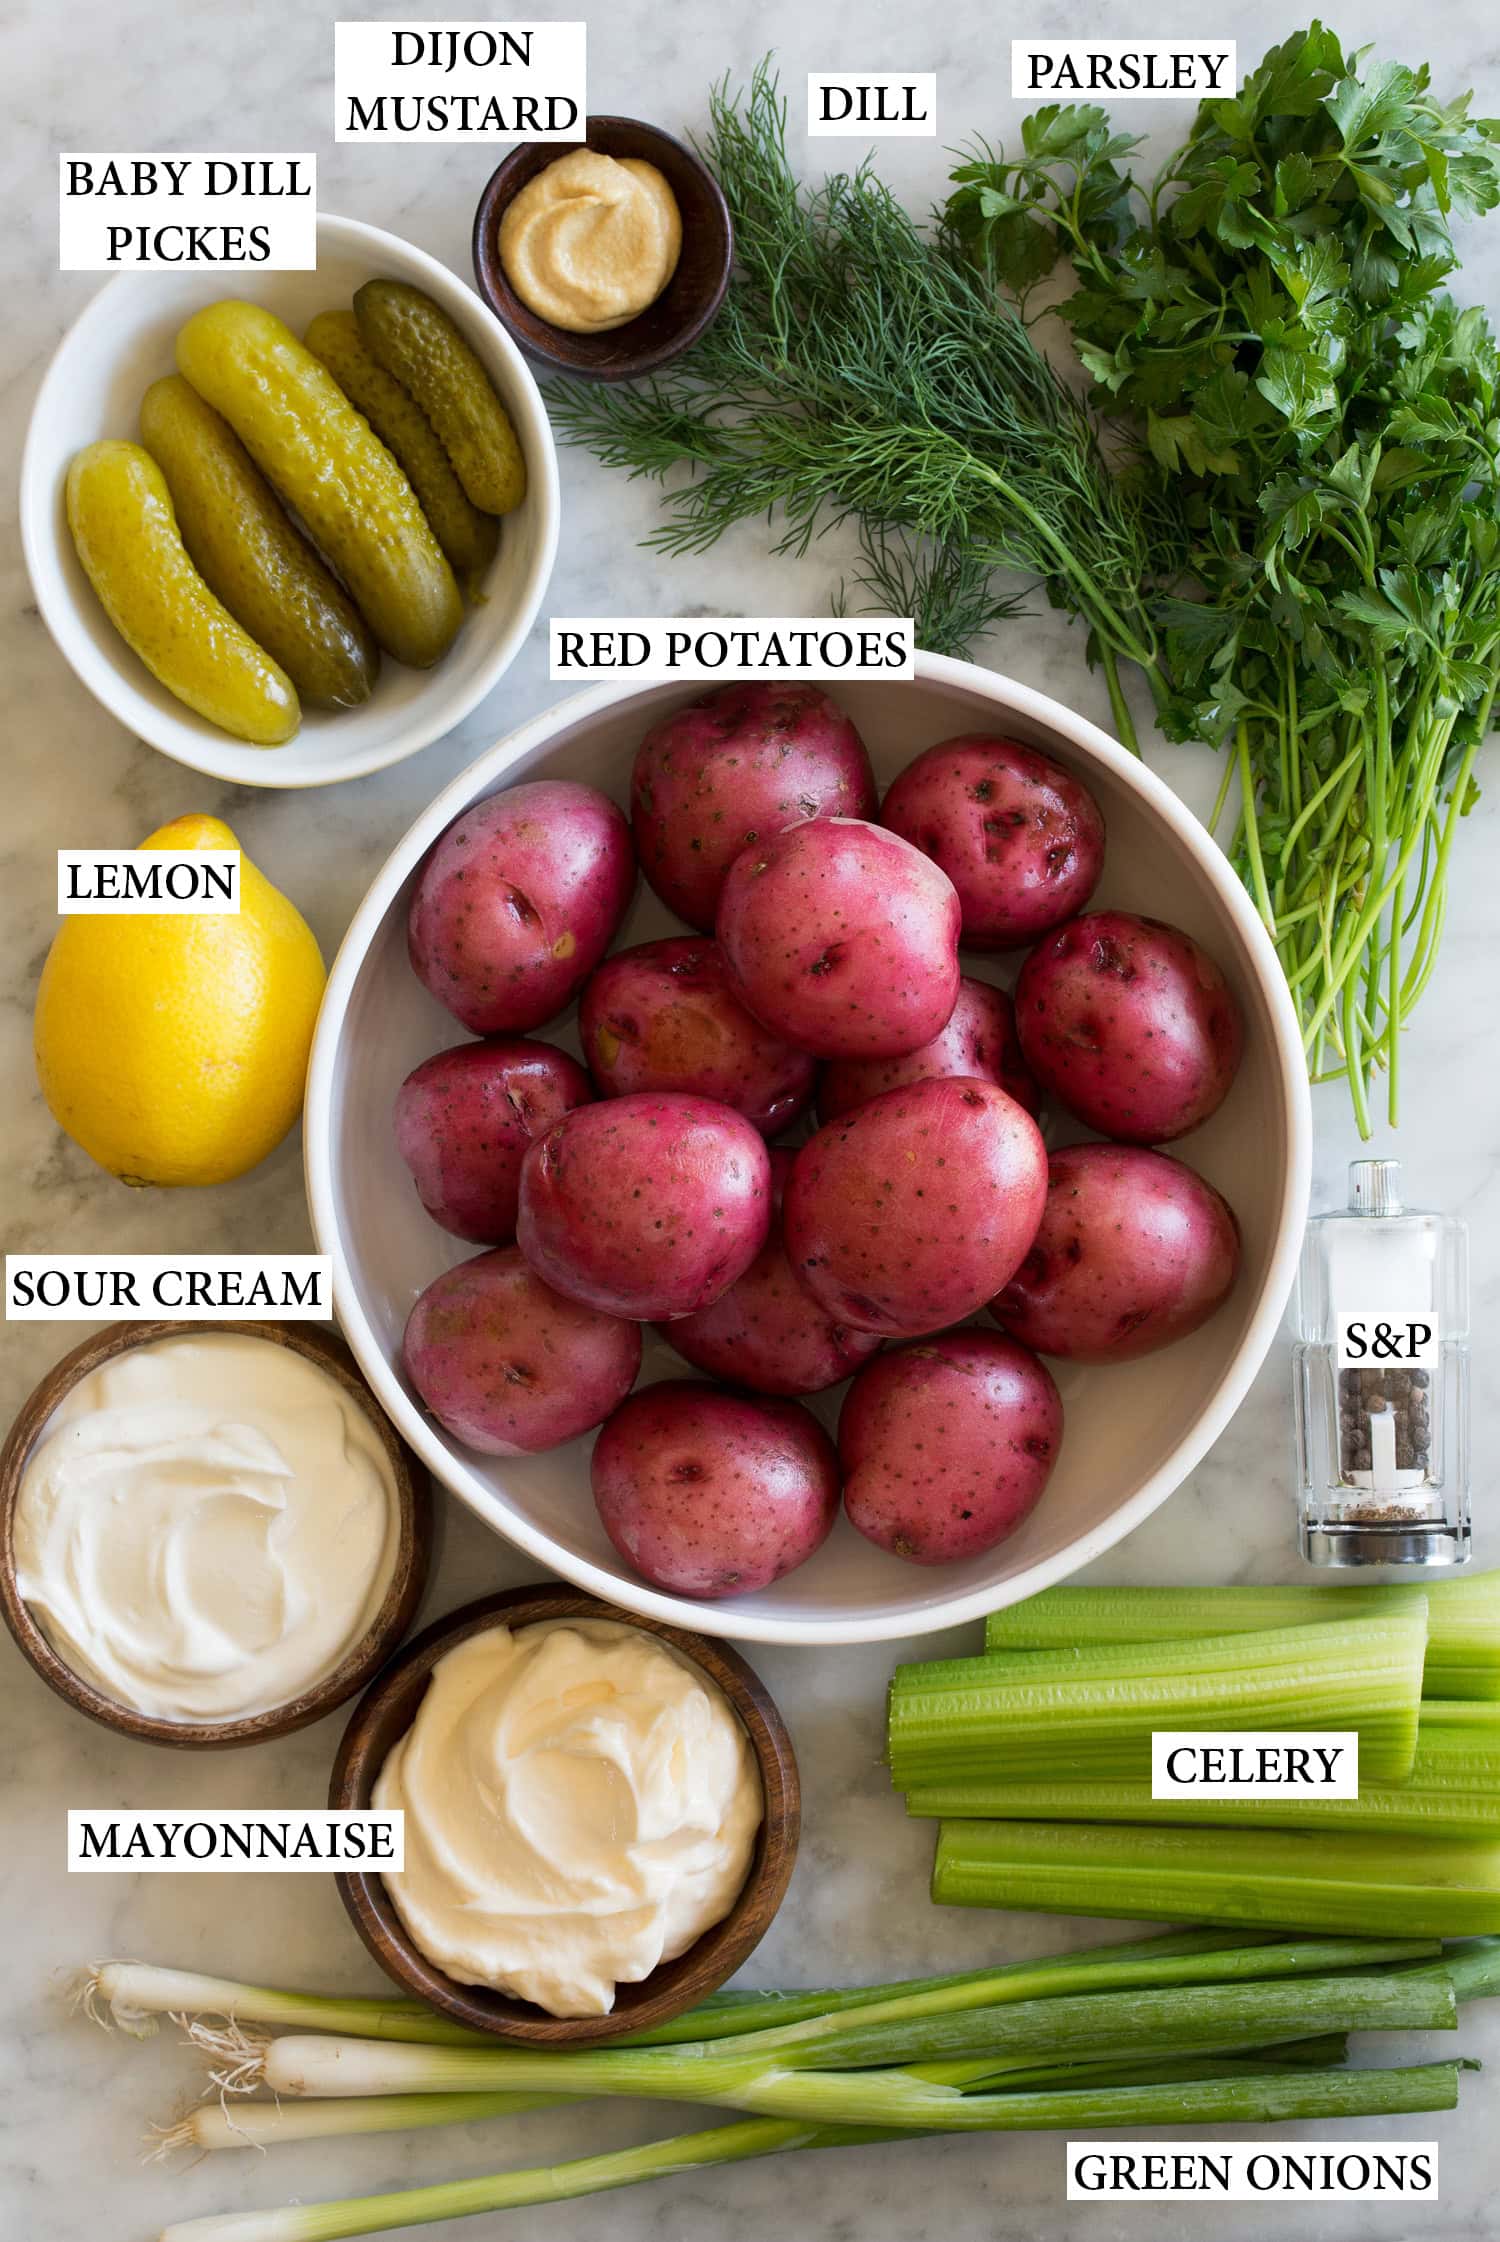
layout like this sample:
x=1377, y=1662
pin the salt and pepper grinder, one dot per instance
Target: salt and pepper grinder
x=1381, y=1380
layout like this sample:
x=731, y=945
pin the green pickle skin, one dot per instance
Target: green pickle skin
x=469, y=538
x=416, y=341
x=248, y=553
x=126, y=535
x=328, y=465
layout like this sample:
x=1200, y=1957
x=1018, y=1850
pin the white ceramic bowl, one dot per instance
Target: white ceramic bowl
x=1131, y=1433
x=119, y=345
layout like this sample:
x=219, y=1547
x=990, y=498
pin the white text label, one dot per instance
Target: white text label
x=118, y=883
x=224, y=1839
x=1124, y=69
x=871, y=104
x=211, y=211
x=1255, y=1763
x=459, y=82
x=1250, y=2172
x=118, y=1287
x=798, y=648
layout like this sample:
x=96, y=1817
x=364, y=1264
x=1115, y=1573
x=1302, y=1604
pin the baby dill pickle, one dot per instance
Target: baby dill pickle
x=468, y=537
x=415, y=340
x=120, y=514
x=321, y=456
x=248, y=553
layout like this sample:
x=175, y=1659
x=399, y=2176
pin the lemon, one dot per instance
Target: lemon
x=172, y=1048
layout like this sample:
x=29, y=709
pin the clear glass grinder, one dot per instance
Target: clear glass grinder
x=1381, y=1380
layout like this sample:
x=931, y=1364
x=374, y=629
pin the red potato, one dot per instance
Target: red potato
x=664, y=1017
x=648, y=1206
x=1020, y=838
x=1130, y=1025
x=733, y=768
x=767, y=1332
x=1134, y=1251
x=900, y=1214
x=510, y=1367
x=707, y=1494
x=465, y=1117
x=947, y=1446
x=843, y=939
x=517, y=903
x=980, y=1039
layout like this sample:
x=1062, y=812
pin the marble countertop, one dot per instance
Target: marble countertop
x=74, y=2105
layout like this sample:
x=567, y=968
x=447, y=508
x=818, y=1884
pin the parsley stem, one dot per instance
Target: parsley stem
x=1252, y=832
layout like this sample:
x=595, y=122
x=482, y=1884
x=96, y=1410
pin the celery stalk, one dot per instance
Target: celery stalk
x=1463, y=1621
x=1461, y=1739
x=1338, y=1880
x=1039, y=1714
x=1443, y=1799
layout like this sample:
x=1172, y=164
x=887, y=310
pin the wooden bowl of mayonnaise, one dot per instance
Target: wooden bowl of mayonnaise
x=210, y=1533
x=417, y=1738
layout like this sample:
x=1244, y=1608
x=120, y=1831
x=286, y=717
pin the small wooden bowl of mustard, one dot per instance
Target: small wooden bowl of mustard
x=363, y=1658
x=389, y=1709
x=687, y=304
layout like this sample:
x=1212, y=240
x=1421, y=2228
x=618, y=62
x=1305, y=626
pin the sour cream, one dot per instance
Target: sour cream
x=581, y=1804
x=590, y=242
x=206, y=1527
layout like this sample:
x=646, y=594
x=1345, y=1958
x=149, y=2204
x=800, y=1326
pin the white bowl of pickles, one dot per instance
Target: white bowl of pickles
x=290, y=527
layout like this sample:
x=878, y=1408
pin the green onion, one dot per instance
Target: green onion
x=1463, y=1621
x=1278, y=2097
x=921, y=2018
x=1182, y=1958
x=1443, y=1799
x=1338, y=1880
x=776, y=2075
x=263, y=2125
x=1473, y=1968
x=136, y=1993
x=1036, y=1714
x=224, y=2124
x=1328, y=2047
x=1170, y=1958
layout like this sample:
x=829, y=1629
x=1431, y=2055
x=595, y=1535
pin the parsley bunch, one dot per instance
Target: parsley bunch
x=1269, y=316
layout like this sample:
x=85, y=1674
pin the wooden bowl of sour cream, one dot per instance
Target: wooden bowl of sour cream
x=383, y=1628
x=686, y=305
x=387, y=1712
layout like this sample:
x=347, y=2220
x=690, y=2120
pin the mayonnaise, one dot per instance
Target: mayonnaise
x=205, y=1527
x=581, y=1804
x=590, y=242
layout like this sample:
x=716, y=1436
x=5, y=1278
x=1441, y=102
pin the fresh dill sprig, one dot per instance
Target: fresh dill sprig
x=950, y=594
x=861, y=370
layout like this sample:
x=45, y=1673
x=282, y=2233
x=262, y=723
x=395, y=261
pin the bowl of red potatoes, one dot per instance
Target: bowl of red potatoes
x=813, y=1165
